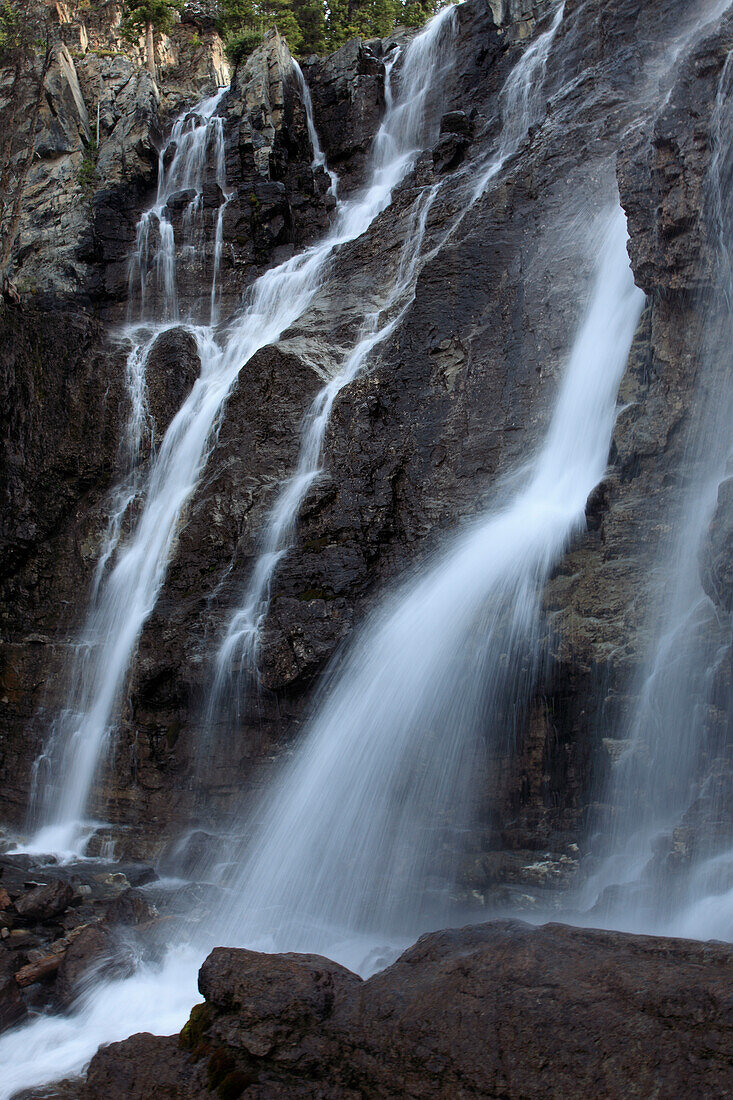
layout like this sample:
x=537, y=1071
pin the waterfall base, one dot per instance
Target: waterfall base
x=500, y=1009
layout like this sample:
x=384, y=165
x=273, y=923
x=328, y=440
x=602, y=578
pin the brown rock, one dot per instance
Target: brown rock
x=495, y=1010
x=12, y=1006
x=45, y=902
x=276, y=998
x=86, y=954
x=131, y=907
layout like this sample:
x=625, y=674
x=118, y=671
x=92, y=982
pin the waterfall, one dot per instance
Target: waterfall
x=655, y=781
x=128, y=592
x=319, y=157
x=520, y=100
x=128, y=572
x=352, y=831
x=196, y=139
x=405, y=716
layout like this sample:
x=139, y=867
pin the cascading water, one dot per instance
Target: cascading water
x=129, y=591
x=128, y=573
x=672, y=738
x=241, y=642
x=353, y=829
x=520, y=107
x=319, y=157
x=196, y=142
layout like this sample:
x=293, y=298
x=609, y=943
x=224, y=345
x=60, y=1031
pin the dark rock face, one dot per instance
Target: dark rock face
x=172, y=367
x=347, y=90
x=717, y=563
x=495, y=1010
x=12, y=1005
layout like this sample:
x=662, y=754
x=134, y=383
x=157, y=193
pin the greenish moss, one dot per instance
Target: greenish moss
x=233, y=1085
x=192, y=1034
x=218, y=1068
x=87, y=173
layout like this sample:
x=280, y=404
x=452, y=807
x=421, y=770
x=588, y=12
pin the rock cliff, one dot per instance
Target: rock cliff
x=457, y=396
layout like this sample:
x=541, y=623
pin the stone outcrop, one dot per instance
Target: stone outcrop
x=100, y=122
x=61, y=926
x=496, y=1010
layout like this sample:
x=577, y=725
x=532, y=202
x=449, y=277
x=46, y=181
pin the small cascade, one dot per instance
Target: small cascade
x=671, y=782
x=319, y=157
x=65, y=770
x=195, y=143
x=521, y=101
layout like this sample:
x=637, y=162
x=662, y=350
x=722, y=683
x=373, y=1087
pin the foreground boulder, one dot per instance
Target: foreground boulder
x=497, y=1010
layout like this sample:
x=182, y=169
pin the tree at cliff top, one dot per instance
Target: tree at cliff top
x=315, y=26
x=25, y=54
x=148, y=16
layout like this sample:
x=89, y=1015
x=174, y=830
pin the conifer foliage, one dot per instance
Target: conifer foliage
x=316, y=26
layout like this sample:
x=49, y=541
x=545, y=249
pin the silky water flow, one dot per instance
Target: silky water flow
x=136, y=564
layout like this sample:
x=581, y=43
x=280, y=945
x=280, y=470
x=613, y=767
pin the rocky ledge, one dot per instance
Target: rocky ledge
x=494, y=1010
x=62, y=926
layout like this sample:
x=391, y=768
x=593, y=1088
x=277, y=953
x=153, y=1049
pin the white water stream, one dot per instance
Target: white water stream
x=127, y=594
x=656, y=779
x=521, y=102
x=353, y=828
x=131, y=567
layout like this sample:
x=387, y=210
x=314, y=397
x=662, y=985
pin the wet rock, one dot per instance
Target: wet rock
x=172, y=368
x=45, y=902
x=456, y=133
x=119, y=1075
x=496, y=1010
x=131, y=908
x=89, y=955
x=278, y=999
x=179, y=199
x=12, y=1005
x=717, y=554
x=187, y=856
x=449, y=151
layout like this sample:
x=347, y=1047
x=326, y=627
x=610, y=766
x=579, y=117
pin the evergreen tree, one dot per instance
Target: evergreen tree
x=149, y=16
x=311, y=18
x=313, y=26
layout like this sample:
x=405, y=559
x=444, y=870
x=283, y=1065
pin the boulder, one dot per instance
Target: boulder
x=89, y=953
x=502, y=1009
x=45, y=902
x=131, y=907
